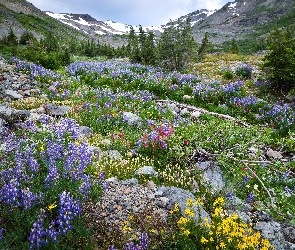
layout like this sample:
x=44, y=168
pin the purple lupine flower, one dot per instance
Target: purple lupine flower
x=250, y=198
x=288, y=190
x=285, y=176
x=52, y=232
x=33, y=164
x=9, y=194
x=67, y=126
x=85, y=187
x=229, y=196
x=139, y=142
x=1, y=233
x=52, y=177
x=144, y=240
x=68, y=210
x=28, y=199
x=102, y=181
x=37, y=236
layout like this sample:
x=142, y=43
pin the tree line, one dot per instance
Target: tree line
x=173, y=50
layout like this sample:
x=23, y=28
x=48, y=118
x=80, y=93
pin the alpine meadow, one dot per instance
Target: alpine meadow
x=171, y=137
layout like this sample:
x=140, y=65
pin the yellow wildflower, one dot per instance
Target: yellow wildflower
x=186, y=232
x=189, y=212
x=182, y=220
x=219, y=201
x=125, y=228
x=51, y=206
x=189, y=202
x=204, y=240
x=222, y=245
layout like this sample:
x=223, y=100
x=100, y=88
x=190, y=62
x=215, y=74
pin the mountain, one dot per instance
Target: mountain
x=20, y=15
x=246, y=21
x=91, y=26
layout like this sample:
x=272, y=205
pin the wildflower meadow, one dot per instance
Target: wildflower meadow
x=49, y=172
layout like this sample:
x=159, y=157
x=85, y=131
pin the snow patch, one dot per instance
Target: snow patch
x=233, y=5
x=118, y=26
x=69, y=24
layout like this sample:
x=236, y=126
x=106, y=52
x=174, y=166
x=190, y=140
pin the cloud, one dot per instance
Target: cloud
x=133, y=12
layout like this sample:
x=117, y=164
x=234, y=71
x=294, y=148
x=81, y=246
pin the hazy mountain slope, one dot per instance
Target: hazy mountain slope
x=91, y=26
x=243, y=18
x=21, y=15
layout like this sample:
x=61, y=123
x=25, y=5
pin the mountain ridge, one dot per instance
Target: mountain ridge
x=247, y=21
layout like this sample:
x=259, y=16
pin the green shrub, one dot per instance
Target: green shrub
x=244, y=71
x=279, y=63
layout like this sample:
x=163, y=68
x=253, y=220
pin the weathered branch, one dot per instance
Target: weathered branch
x=192, y=109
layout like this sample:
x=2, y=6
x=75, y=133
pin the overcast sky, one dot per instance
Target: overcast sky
x=131, y=12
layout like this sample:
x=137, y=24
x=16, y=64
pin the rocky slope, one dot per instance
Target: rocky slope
x=21, y=15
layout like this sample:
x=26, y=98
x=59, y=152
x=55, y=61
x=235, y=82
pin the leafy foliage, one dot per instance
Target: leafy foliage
x=176, y=46
x=279, y=63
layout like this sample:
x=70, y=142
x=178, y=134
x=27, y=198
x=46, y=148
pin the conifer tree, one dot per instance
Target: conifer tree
x=279, y=63
x=204, y=46
x=234, y=48
x=133, y=46
x=176, y=46
x=26, y=37
x=11, y=39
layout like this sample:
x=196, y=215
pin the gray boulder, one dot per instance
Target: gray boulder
x=112, y=154
x=274, y=232
x=85, y=132
x=180, y=196
x=97, y=153
x=212, y=174
x=146, y=170
x=13, y=94
x=11, y=115
x=54, y=110
x=132, y=119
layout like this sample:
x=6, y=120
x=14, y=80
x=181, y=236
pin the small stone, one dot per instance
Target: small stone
x=187, y=97
x=253, y=150
x=127, y=191
x=184, y=112
x=13, y=94
x=56, y=110
x=146, y=170
x=127, y=205
x=112, y=154
x=274, y=154
x=96, y=151
x=85, y=131
x=151, y=185
x=106, y=142
x=111, y=209
x=162, y=201
x=21, y=92
x=195, y=115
